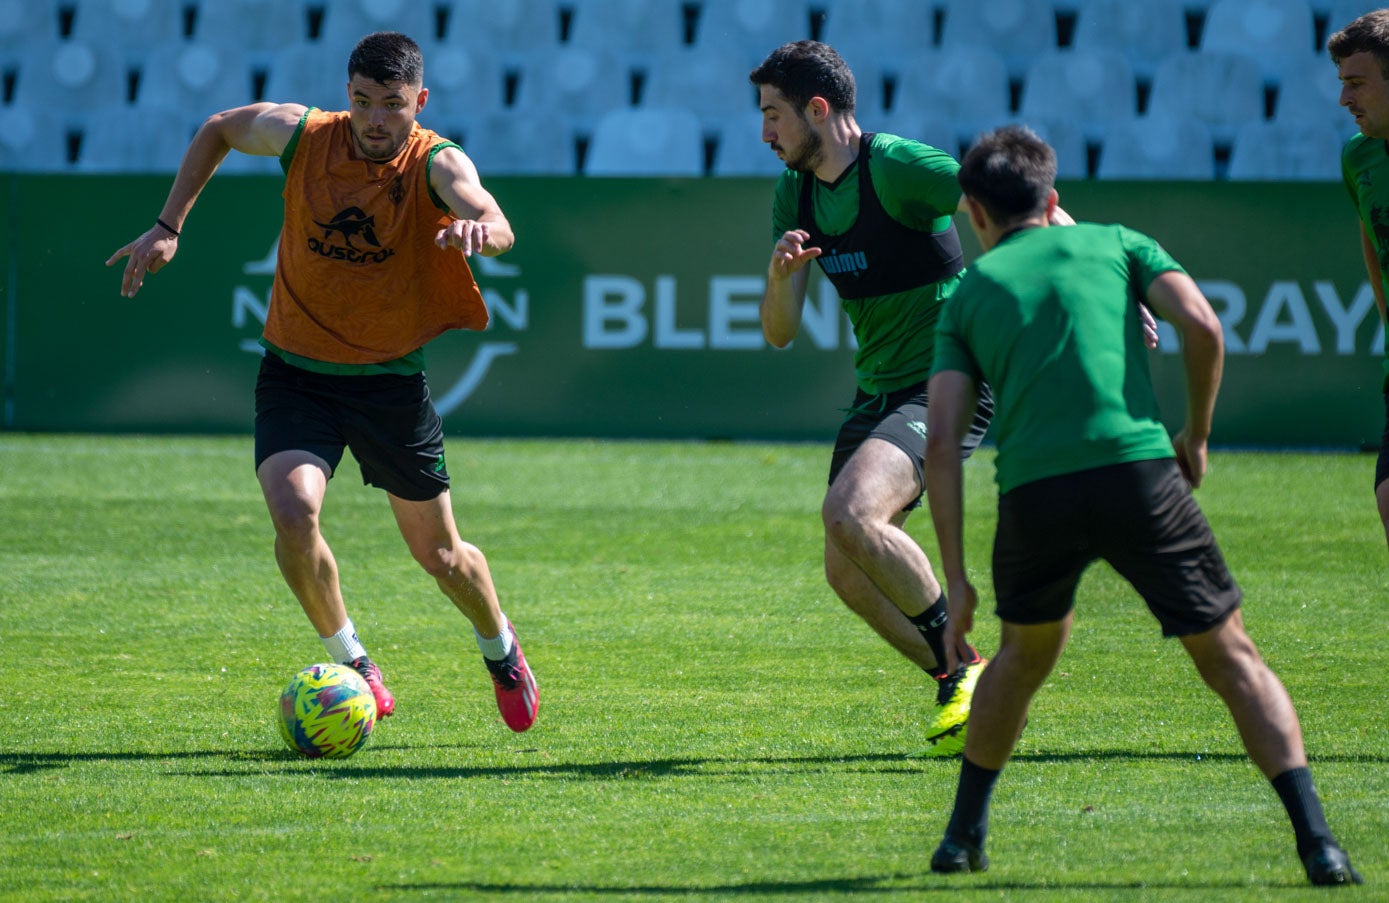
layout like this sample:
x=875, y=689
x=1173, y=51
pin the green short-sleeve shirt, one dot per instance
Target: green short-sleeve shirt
x=917, y=187
x=1365, y=170
x=1049, y=318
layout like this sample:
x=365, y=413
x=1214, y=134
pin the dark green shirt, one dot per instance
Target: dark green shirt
x=1365, y=169
x=916, y=186
x=1049, y=318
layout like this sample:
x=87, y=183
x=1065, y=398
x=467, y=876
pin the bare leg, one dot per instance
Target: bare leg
x=1230, y=664
x=294, y=484
x=459, y=568
x=1026, y=655
x=872, y=564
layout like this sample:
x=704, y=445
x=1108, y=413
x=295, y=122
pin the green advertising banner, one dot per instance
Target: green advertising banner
x=628, y=308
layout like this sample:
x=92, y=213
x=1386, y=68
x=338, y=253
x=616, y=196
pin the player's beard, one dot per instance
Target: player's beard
x=808, y=157
x=396, y=143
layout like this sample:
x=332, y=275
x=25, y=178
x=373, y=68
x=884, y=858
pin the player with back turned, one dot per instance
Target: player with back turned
x=1086, y=471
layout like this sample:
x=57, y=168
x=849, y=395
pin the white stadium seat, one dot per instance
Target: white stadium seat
x=652, y=141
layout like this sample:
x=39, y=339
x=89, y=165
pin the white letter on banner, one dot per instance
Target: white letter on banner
x=517, y=315
x=1235, y=307
x=244, y=301
x=725, y=314
x=1267, y=328
x=1347, y=322
x=613, y=299
x=668, y=335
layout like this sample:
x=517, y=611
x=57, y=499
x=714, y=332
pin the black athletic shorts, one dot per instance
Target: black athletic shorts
x=1140, y=517
x=386, y=419
x=899, y=417
x=1382, y=464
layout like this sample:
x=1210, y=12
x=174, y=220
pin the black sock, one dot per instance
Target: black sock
x=969, y=822
x=1299, y=796
x=931, y=623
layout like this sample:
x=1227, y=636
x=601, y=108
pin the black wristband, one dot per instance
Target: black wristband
x=168, y=228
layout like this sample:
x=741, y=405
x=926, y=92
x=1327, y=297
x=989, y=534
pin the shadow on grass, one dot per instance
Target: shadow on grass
x=951, y=886
x=362, y=765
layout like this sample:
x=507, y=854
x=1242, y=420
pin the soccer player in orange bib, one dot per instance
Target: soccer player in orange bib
x=380, y=218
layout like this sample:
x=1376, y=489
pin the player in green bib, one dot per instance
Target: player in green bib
x=1049, y=318
x=1361, y=54
x=876, y=212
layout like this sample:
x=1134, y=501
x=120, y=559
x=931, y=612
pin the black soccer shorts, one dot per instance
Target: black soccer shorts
x=387, y=420
x=899, y=417
x=1140, y=517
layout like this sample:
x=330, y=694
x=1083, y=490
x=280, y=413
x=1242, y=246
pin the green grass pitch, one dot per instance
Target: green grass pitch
x=714, y=725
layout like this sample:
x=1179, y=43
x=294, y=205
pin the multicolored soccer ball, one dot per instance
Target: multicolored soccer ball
x=327, y=711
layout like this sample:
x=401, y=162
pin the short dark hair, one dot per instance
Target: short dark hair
x=1011, y=172
x=1367, y=34
x=387, y=56
x=802, y=70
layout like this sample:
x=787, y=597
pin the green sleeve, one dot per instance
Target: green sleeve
x=287, y=155
x=917, y=183
x=785, y=215
x=1147, y=259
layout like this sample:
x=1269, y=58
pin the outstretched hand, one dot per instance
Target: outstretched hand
x=790, y=253
x=467, y=235
x=147, y=254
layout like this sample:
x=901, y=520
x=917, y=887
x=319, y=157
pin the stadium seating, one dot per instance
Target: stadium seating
x=257, y=28
x=504, y=144
x=463, y=82
x=1343, y=12
x=750, y=29
x=1277, y=151
x=130, y=26
x=1144, y=32
x=937, y=131
x=1310, y=94
x=1158, y=146
x=32, y=140
x=879, y=39
x=345, y=21
x=1017, y=30
x=704, y=79
x=194, y=78
x=1222, y=90
x=70, y=77
x=740, y=151
x=573, y=85
x=1065, y=137
x=309, y=73
x=110, y=144
x=940, y=70
x=23, y=22
x=1274, y=34
x=967, y=84
x=1093, y=88
x=652, y=141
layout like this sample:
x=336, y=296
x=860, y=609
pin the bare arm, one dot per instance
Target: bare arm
x=262, y=129
x=480, y=227
x=784, y=298
x=1367, y=247
x=953, y=397
x=1177, y=298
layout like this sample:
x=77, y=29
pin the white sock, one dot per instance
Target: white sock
x=344, y=647
x=499, y=646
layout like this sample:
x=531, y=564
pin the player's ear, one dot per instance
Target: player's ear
x=818, y=110
x=421, y=98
